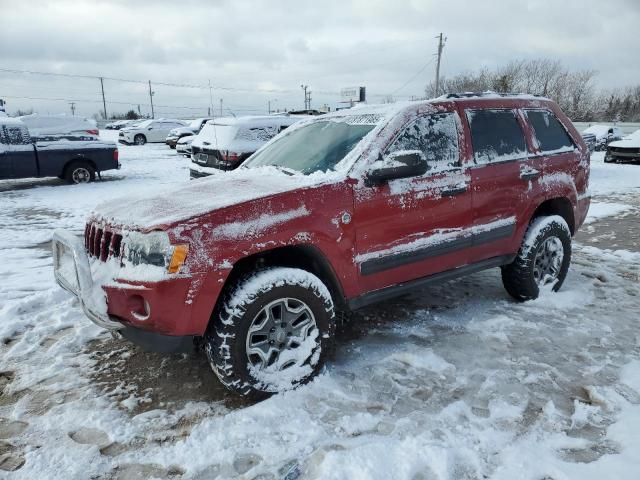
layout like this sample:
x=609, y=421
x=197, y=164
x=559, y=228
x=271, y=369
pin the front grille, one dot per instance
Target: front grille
x=623, y=150
x=102, y=243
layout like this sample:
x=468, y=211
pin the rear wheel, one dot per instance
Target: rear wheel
x=80, y=172
x=543, y=259
x=273, y=332
x=139, y=139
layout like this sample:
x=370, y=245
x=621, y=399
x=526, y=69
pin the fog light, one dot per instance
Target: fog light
x=140, y=308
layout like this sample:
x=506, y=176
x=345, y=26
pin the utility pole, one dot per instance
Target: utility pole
x=210, y=100
x=441, y=42
x=73, y=108
x=151, y=93
x=220, y=107
x=104, y=102
x=307, y=97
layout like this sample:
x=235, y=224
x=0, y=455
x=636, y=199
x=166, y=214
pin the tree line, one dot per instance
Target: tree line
x=573, y=90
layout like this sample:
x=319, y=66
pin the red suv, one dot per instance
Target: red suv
x=333, y=214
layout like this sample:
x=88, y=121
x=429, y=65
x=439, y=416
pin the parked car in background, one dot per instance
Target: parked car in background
x=74, y=161
x=590, y=140
x=626, y=150
x=334, y=214
x=50, y=127
x=224, y=143
x=193, y=128
x=148, y=131
x=604, y=134
x=118, y=124
x=183, y=147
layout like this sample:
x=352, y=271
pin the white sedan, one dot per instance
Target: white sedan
x=149, y=131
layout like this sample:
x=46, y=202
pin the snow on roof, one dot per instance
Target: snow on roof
x=257, y=120
x=11, y=121
x=598, y=130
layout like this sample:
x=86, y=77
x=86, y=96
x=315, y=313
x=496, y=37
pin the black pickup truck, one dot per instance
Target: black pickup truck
x=74, y=161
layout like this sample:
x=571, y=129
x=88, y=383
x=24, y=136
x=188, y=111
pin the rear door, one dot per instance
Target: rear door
x=414, y=227
x=500, y=179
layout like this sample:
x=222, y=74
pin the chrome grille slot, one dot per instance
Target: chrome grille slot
x=102, y=243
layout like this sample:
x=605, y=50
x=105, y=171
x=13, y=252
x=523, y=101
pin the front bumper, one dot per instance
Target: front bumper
x=72, y=272
x=161, y=334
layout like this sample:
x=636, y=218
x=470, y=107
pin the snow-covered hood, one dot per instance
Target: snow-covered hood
x=157, y=211
x=630, y=141
x=181, y=131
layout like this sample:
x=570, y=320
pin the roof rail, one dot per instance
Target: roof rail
x=486, y=94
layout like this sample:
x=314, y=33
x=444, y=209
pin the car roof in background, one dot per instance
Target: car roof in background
x=258, y=120
x=11, y=121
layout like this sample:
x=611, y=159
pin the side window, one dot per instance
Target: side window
x=496, y=136
x=436, y=135
x=551, y=135
x=17, y=135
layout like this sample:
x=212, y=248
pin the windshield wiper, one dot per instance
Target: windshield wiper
x=288, y=171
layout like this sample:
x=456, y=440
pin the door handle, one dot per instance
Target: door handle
x=453, y=191
x=529, y=174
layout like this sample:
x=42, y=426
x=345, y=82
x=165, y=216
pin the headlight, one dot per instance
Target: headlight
x=154, y=248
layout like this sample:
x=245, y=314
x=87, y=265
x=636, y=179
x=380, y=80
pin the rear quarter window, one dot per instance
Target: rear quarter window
x=14, y=135
x=496, y=136
x=257, y=134
x=549, y=132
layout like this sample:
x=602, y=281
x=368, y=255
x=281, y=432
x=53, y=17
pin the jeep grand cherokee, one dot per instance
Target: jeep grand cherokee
x=333, y=214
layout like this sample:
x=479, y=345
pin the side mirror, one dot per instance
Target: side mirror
x=400, y=164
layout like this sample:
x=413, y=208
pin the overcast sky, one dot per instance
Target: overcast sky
x=262, y=51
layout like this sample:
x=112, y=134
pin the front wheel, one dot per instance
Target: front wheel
x=273, y=332
x=139, y=139
x=543, y=259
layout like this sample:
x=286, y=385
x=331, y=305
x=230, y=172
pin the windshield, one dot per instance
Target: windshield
x=318, y=146
x=195, y=123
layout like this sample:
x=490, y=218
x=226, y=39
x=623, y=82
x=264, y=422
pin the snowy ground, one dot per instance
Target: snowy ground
x=453, y=382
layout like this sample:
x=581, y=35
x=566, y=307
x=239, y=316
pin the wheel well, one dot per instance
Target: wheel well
x=557, y=206
x=305, y=257
x=78, y=160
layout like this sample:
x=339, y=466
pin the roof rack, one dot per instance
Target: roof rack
x=487, y=94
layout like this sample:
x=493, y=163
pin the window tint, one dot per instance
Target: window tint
x=551, y=135
x=436, y=135
x=16, y=135
x=496, y=135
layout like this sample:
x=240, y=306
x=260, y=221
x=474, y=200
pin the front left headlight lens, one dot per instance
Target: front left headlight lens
x=155, y=248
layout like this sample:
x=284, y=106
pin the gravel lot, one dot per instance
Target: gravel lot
x=454, y=381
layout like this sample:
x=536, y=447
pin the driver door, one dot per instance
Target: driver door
x=415, y=227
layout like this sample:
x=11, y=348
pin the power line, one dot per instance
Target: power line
x=413, y=77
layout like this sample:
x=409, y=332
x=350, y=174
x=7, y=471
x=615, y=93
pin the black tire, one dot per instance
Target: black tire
x=521, y=278
x=139, y=139
x=80, y=172
x=228, y=349
x=172, y=147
